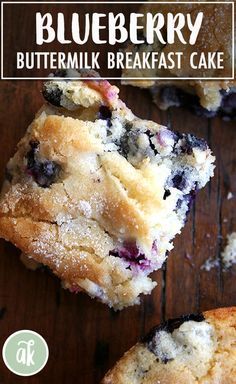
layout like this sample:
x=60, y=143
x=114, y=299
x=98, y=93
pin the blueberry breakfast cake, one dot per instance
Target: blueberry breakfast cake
x=205, y=98
x=97, y=194
x=194, y=349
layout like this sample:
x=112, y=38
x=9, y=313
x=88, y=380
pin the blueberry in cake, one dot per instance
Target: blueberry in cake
x=97, y=194
x=194, y=349
x=205, y=98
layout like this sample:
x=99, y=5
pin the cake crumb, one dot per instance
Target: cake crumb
x=210, y=263
x=229, y=253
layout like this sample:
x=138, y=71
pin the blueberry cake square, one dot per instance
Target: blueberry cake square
x=194, y=349
x=208, y=98
x=97, y=194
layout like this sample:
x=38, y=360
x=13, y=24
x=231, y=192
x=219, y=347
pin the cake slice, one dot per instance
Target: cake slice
x=97, y=194
x=194, y=349
x=205, y=98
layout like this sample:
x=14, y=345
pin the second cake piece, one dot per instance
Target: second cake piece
x=97, y=194
x=193, y=349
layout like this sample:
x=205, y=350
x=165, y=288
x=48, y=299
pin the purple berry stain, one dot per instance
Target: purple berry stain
x=130, y=253
x=44, y=172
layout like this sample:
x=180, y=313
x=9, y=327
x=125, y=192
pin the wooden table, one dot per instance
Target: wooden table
x=85, y=337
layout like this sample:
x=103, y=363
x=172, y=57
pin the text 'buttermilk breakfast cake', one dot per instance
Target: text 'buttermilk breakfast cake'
x=97, y=194
x=194, y=349
x=207, y=98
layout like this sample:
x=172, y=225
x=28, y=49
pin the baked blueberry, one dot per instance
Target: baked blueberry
x=53, y=96
x=44, y=172
x=179, y=181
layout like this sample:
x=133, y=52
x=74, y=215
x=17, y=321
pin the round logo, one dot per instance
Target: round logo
x=25, y=353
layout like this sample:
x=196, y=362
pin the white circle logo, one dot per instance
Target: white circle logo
x=25, y=353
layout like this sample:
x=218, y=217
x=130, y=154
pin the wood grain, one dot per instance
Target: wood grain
x=85, y=337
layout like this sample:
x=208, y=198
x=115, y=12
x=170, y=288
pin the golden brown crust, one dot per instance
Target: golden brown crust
x=139, y=365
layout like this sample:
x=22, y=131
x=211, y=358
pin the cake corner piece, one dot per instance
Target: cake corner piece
x=97, y=194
